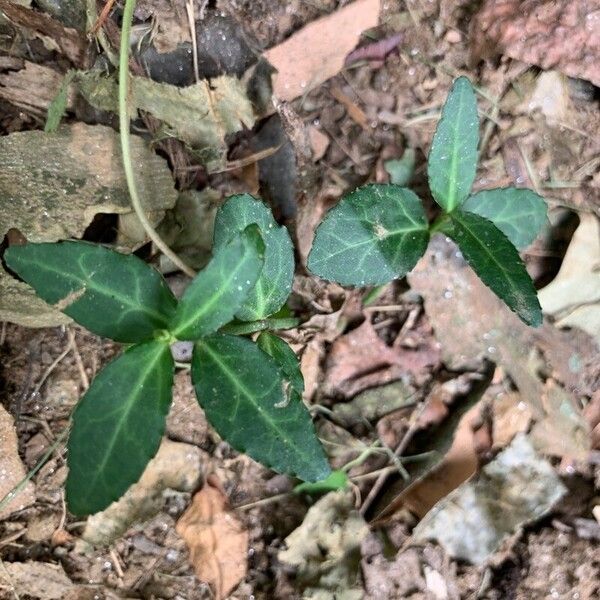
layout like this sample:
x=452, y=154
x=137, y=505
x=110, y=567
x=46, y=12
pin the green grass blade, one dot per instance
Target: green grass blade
x=496, y=262
x=453, y=155
x=218, y=292
x=117, y=426
x=518, y=213
x=275, y=282
x=241, y=390
x=112, y=294
x=375, y=234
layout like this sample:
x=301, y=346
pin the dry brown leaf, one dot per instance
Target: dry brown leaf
x=217, y=541
x=12, y=470
x=317, y=52
x=446, y=426
x=361, y=359
x=458, y=465
x=553, y=34
x=573, y=297
x=517, y=488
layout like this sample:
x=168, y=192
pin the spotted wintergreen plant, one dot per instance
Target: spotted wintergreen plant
x=250, y=392
x=378, y=232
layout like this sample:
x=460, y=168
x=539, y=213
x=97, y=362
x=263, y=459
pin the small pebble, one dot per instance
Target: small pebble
x=453, y=36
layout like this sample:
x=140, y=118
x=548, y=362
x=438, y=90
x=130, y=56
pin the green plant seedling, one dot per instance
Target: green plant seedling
x=378, y=232
x=250, y=392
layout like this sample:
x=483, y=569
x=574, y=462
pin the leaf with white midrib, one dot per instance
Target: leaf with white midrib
x=111, y=294
x=221, y=288
x=117, y=426
x=496, y=261
x=375, y=234
x=452, y=160
x=243, y=395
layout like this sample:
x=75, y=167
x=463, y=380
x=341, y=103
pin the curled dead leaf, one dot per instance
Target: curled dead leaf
x=217, y=540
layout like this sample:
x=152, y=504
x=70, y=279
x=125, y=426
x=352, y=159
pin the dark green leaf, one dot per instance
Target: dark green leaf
x=337, y=480
x=275, y=282
x=112, y=294
x=497, y=263
x=285, y=358
x=453, y=156
x=218, y=292
x=242, y=393
x=375, y=234
x=117, y=426
x=518, y=213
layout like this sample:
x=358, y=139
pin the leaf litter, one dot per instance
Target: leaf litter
x=516, y=373
x=217, y=540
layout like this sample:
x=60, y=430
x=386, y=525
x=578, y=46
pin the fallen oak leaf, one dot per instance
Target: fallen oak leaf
x=317, y=52
x=217, y=540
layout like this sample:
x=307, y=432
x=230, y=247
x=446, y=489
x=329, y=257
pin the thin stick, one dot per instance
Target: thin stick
x=124, y=122
x=189, y=7
x=84, y=378
x=397, y=453
x=49, y=370
x=101, y=18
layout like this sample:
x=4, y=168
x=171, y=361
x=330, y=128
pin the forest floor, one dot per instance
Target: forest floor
x=446, y=410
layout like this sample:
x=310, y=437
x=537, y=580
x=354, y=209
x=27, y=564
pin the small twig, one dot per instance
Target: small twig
x=85, y=382
x=189, y=7
x=406, y=438
x=116, y=562
x=101, y=18
x=90, y=11
x=13, y=537
x=124, y=122
x=247, y=160
x=48, y=372
x=63, y=513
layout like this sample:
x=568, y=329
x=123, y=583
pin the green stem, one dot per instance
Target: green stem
x=126, y=141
